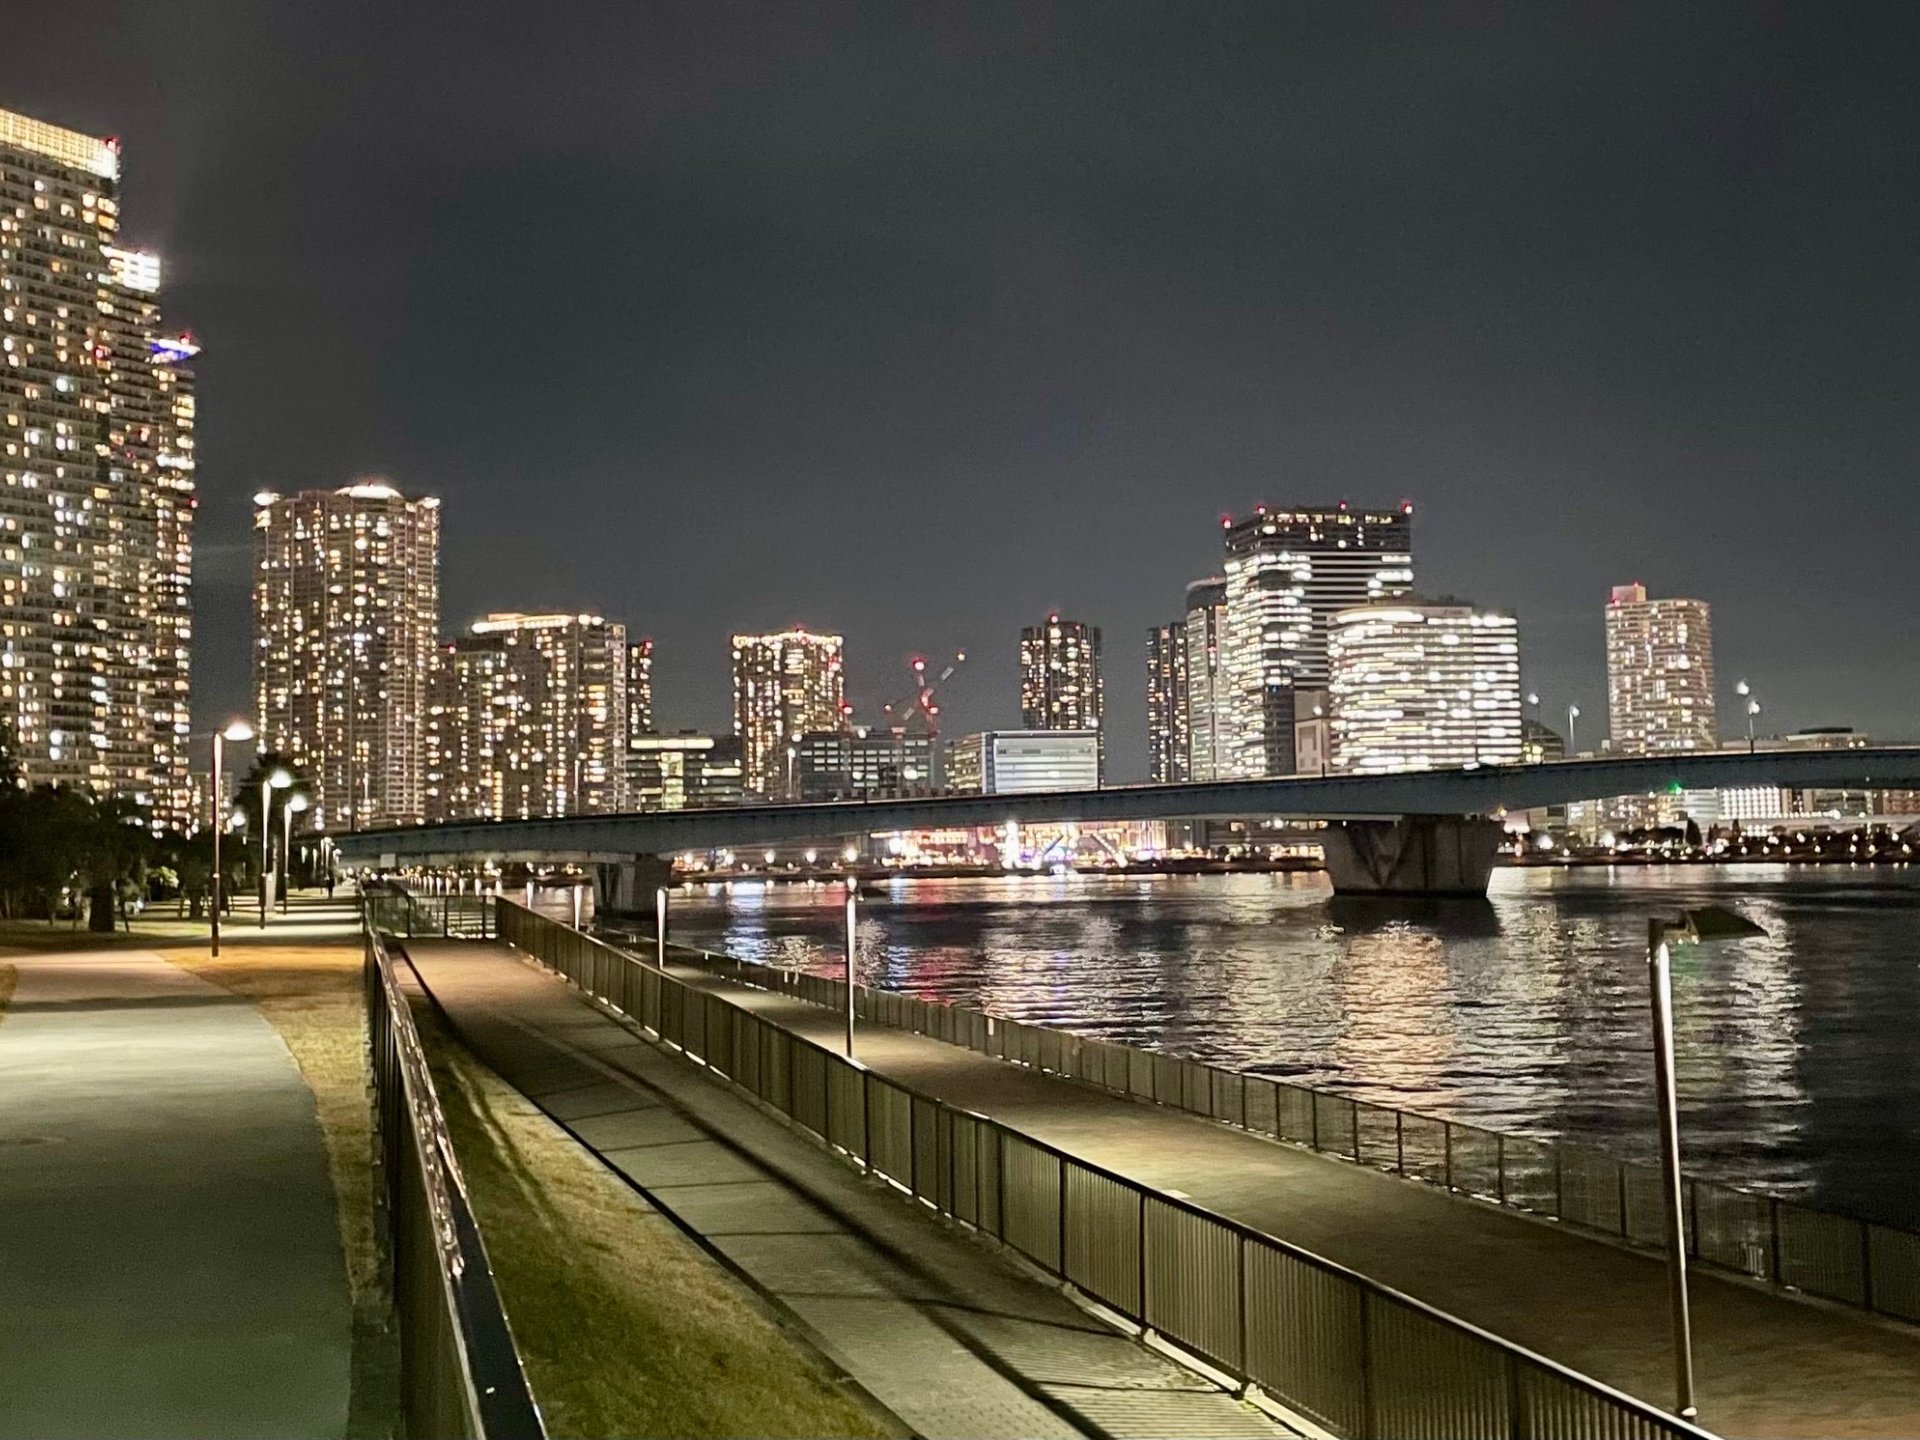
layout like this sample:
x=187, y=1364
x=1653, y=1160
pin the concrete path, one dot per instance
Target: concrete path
x=1767, y=1364
x=953, y=1339
x=169, y=1258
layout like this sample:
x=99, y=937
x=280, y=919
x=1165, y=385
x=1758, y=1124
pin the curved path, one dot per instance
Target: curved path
x=168, y=1247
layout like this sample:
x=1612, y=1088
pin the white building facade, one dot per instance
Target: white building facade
x=1419, y=685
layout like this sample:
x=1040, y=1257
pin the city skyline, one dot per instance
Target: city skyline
x=1149, y=324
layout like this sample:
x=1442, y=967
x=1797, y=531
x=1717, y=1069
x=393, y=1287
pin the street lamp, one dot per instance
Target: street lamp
x=1752, y=707
x=278, y=780
x=1573, y=714
x=853, y=905
x=294, y=802
x=1691, y=927
x=235, y=730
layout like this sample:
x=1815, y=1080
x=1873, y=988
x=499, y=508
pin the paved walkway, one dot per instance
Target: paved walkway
x=1766, y=1364
x=169, y=1259
x=953, y=1339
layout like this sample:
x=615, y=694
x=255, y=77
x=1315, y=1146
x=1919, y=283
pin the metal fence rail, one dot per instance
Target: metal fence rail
x=459, y=1372
x=1796, y=1247
x=415, y=917
x=1359, y=1358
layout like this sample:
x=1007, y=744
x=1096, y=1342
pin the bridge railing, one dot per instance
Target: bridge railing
x=1780, y=1242
x=460, y=1374
x=1355, y=1356
x=416, y=917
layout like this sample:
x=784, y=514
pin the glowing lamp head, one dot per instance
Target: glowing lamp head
x=280, y=779
x=237, y=730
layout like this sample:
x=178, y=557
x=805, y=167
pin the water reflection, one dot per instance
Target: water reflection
x=1797, y=1062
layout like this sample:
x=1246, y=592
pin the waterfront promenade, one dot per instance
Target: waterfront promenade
x=170, y=1256
x=953, y=1342
x=1768, y=1364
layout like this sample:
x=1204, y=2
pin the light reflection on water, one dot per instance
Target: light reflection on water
x=1799, y=1053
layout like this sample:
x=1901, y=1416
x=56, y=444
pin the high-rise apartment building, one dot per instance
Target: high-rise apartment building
x=640, y=687
x=784, y=685
x=1288, y=573
x=1659, y=673
x=1420, y=685
x=96, y=482
x=528, y=717
x=1167, y=740
x=346, y=619
x=1209, y=696
x=1061, y=686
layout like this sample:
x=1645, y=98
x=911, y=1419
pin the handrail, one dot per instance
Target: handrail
x=1357, y=1355
x=460, y=1372
x=1860, y=1263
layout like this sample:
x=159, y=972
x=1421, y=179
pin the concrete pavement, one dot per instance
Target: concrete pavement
x=169, y=1258
x=1767, y=1364
x=954, y=1340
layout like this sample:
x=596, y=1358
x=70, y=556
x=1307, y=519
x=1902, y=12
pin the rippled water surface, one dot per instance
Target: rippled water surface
x=1799, y=1053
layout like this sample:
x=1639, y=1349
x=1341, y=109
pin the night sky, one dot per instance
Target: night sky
x=916, y=322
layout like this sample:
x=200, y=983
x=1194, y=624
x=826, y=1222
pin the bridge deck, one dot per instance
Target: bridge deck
x=1768, y=1364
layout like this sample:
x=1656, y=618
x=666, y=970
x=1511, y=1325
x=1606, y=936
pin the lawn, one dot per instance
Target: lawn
x=626, y=1327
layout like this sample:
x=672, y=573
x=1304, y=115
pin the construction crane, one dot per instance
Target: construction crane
x=921, y=701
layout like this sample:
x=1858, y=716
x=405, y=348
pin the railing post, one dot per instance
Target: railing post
x=1866, y=1265
x=1773, y=1227
x=1061, y=1166
x=1693, y=1217
x=1559, y=1184
x=1367, y=1424
x=1353, y=1115
x=1399, y=1142
x=1313, y=1116
x=1446, y=1136
x=1500, y=1166
x=1620, y=1179
x=1140, y=1220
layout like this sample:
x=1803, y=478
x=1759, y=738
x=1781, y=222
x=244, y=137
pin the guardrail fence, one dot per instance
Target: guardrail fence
x=448, y=917
x=1359, y=1358
x=460, y=1375
x=1835, y=1257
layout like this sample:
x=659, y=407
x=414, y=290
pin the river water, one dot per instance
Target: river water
x=1798, y=1053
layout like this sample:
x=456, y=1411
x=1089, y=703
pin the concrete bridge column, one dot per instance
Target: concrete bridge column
x=1414, y=855
x=626, y=887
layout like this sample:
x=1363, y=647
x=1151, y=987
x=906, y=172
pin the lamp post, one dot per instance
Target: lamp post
x=292, y=803
x=1752, y=707
x=235, y=730
x=853, y=906
x=1573, y=714
x=278, y=780
x=1690, y=928
x=660, y=927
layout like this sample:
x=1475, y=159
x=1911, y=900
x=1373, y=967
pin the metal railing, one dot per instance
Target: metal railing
x=1795, y=1247
x=460, y=1374
x=418, y=917
x=1355, y=1356
x=1835, y=1257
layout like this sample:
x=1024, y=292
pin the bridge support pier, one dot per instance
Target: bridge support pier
x=1413, y=855
x=626, y=887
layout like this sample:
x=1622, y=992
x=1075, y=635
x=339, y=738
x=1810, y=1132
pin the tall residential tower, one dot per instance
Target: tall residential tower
x=1167, y=742
x=1659, y=673
x=346, y=620
x=96, y=482
x=784, y=686
x=1061, y=687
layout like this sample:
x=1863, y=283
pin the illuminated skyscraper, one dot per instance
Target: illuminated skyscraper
x=1289, y=572
x=784, y=685
x=640, y=687
x=1061, y=687
x=528, y=717
x=1209, y=698
x=1167, y=741
x=687, y=771
x=346, y=619
x=1659, y=673
x=97, y=495
x=1420, y=685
